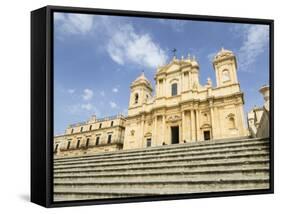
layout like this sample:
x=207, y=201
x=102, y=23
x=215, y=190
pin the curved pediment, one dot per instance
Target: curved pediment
x=173, y=118
x=148, y=134
x=205, y=125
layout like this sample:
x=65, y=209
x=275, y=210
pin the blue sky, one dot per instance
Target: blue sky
x=97, y=57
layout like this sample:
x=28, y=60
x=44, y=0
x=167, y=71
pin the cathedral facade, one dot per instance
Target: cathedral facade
x=182, y=110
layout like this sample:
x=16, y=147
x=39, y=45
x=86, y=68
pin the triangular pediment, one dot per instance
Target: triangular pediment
x=174, y=66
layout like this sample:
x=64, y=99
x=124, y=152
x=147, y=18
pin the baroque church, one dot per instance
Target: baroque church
x=182, y=110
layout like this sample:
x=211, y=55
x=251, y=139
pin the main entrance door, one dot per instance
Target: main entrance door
x=175, y=134
x=207, y=135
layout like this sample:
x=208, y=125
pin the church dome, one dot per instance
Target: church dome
x=142, y=80
x=223, y=53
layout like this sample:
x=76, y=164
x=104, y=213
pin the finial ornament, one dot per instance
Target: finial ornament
x=209, y=81
x=188, y=56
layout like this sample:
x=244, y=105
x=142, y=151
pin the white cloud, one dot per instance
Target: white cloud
x=59, y=17
x=113, y=104
x=87, y=94
x=126, y=45
x=73, y=23
x=87, y=106
x=120, y=39
x=82, y=108
x=255, y=40
x=115, y=90
x=71, y=91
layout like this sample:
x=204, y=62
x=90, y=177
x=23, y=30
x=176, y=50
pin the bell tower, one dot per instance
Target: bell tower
x=225, y=66
x=141, y=91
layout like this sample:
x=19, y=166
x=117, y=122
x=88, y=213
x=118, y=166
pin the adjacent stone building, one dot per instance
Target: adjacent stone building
x=95, y=135
x=259, y=117
x=183, y=110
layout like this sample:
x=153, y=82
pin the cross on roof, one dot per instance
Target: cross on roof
x=174, y=51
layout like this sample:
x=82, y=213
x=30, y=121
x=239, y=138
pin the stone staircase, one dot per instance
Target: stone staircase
x=209, y=166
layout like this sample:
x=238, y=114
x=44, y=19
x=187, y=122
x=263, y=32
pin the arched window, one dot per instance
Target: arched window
x=136, y=98
x=231, y=123
x=174, y=89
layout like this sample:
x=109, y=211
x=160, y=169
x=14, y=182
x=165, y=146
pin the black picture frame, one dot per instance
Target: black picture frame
x=42, y=104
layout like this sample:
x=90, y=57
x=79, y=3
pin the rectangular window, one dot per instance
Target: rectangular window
x=148, y=142
x=68, y=144
x=78, y=144
x=72, y=131
x=90, y=127
x=109, y=139
x=100, y=125
x=97, y=140
x=174, y=89
x=87, y=142
x=56, y=148
x=81, y=129
x=111, y=123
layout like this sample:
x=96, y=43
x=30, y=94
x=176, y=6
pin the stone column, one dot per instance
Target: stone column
x=214, y=130
x=141, y=140
x=189, y=80
x=192, y=121
x=164, y=87
x=163, y=129
x=197, y=125
x=154, y=133
x=183, y=126
x=240, y=123
x=217, y=122
x=157, y=92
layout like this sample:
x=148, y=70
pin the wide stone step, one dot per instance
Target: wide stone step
x=165, y=149
x=71, y=196
x=263, y=159
x=211, y=165
x=191, y=152
x=186, y=186
x=84, y=194
x=172, y=174
x=176, y=158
